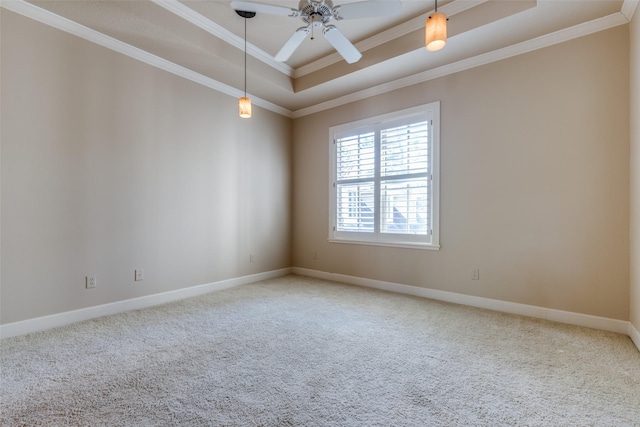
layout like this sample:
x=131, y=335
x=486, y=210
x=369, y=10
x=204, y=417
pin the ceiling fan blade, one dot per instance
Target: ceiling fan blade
x=249, y=6
x=367, y=9
x=341, y=44
x=292, y=44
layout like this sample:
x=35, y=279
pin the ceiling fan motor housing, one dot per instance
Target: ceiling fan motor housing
x=316, y=12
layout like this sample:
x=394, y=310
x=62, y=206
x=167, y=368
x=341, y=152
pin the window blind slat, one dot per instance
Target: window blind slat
x=383, y=186
x=355, y=156
x=405, y=206
x=405, y=149
x=355, y=207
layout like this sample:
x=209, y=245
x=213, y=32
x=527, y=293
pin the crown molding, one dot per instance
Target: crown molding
x=48, y=18
x=222, y=33
x=628, y=8
x=417, y=23
x=546, y=40
x=56, y=21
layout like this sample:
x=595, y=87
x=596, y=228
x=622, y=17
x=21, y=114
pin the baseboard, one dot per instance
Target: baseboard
x=69, y=317
x=578, y=319
x=56, y=320
x=635, y=335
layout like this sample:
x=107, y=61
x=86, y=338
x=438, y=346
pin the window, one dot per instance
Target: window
x=384, y=179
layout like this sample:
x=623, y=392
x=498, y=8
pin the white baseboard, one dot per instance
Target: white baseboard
x=635, y=335
x=578, y=319
x=60, y=319
x=69, y=317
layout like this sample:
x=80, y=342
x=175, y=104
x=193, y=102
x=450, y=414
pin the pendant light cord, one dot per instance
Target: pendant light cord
x=245, y=57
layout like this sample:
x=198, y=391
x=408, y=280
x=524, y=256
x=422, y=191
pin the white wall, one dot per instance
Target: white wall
x=534, y=184
x=109, y=165
x=635, y=172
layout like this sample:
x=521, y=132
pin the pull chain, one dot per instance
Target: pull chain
x=312, y=16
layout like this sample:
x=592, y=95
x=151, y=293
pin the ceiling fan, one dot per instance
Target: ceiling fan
x=316, y=14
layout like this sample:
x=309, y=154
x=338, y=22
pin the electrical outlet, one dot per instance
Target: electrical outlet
x=90, y=282
x=475, y=275
x=251, y=258
x=139, y=275
x=315, y=255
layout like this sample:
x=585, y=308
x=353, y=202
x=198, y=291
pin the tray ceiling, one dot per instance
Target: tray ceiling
x=204, y=41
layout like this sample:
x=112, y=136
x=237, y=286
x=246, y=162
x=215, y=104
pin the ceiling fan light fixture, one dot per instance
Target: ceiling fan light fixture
x=436, y=30
x=317, y=14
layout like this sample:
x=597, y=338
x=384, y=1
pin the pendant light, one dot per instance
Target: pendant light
x=244, y=103
x=436, y=30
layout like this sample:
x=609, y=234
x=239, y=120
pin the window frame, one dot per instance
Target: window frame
x=426, y=112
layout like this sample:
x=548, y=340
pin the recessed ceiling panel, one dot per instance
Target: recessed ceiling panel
x=207, y=37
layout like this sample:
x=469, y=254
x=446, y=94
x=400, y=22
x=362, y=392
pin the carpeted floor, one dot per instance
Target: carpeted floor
x=306, y=352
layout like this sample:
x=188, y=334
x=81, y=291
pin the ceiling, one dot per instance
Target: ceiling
x=203, y=41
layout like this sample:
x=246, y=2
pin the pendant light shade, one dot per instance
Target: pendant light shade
x=436, y=30
x=244, y=105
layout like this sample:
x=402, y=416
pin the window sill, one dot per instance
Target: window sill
x=407, y=245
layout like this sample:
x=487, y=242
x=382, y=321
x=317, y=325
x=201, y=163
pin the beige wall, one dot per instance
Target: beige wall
x=109, y=165
x=534, y=183
x=635, y=170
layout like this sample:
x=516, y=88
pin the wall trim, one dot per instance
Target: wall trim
x=628, y=8
x=450, y=9
x=216, y=30
x=61, y=319
x=69, y=317
x=43, y=16
x=567, y=317
x=531, y=45
x=634, y=334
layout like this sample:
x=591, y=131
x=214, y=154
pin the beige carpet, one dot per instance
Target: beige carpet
x=296, y=351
